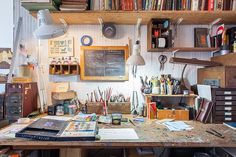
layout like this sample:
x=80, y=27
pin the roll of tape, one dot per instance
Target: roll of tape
x=86, y=40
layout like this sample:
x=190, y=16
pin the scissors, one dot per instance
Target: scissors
x=162, y=60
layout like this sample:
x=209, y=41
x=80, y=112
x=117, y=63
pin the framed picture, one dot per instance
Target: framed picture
x=104, y=63
x=61, y=47
x=200, y=37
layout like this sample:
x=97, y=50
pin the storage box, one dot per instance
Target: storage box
x=97, y=107
x=63, y=95
x=225, y=74
x=152, y=110
x=173, y=114
x=60, y=87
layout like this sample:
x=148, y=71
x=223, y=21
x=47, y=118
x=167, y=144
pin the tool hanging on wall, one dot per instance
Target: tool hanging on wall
x=108, y=29
x=162, y=60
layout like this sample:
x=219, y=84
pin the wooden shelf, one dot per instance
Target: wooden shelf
x=194, y=61
x=130, y=17
x=177, y=95
x=184, y=49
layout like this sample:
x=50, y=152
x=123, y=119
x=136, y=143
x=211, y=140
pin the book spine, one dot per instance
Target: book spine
x=194, y=5
x=210, y=5
x=144, y=5
x=234, y=5
x=139, y=4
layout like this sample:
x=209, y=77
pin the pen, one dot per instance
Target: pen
x=215, y=134
x=131, y=122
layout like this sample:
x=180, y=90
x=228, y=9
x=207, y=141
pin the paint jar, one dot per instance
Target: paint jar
x=60, y=110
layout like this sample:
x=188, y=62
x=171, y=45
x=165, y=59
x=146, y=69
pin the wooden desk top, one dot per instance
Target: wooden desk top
x=150, y=134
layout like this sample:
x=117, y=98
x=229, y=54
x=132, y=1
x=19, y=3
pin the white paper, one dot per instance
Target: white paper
x=63, y=118
x=204, y=91
x=118, y=134
x=10, y=131
x=177, y=126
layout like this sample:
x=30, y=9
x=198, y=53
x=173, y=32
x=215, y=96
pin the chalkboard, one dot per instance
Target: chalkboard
x=103, y=63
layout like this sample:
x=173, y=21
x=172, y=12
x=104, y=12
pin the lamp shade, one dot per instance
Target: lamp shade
x=47, y=29
x=136, y=58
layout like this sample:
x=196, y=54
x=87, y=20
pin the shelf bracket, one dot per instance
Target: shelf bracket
x=210, y=26
x=179, y=20
x=174, y=52
x=101, y=23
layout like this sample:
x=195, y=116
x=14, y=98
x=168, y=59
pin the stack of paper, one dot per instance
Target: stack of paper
x=74, y=5
x=177, y=126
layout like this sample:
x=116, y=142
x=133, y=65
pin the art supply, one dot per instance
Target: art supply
x=60, y=110
x=131, y=122
x=215, y=133
x=86, y=40
x=23, y=120
x=118, y=134
x=116, y=118
x=162, y=60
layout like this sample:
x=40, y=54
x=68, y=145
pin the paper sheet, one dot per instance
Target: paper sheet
x=177, y=126
x=118, y=134
x=10, y=131
x=63, y=118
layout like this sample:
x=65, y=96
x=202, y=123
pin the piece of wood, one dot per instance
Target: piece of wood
x=185, y=49
x=225, y=74
x=193, y=61
x=130, y=17
x=228, y=59
x=104, y=63
x=150, y=134
x=4, y=65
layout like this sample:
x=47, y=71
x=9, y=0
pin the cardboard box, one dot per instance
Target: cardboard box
x=60, y=87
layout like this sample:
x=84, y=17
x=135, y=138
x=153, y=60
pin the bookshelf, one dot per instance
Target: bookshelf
x=130, y=17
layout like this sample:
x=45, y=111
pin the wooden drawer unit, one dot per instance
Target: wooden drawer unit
x=224, y=109
x=225, y=74
x=21, y=100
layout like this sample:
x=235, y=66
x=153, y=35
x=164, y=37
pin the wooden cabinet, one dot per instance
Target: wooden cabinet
x=224, y=108
x=64, y=69
x=21, y=100
x=226, y=75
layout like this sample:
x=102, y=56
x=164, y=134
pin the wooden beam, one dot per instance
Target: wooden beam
x=194, y=61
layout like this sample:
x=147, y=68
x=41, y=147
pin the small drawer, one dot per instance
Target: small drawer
x=225, y=118
x=226, y=92
x=14, y=88
x=225, y=113
x=225, y=103
x=225, y=108
x=226, y=98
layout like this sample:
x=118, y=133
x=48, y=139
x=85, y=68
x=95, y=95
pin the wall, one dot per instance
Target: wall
x=6, y=30
x=124, y=32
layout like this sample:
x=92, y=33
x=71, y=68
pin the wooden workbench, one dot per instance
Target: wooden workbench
x=150, y=134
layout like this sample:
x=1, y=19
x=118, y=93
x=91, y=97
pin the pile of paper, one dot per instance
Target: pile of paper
x=177, y=126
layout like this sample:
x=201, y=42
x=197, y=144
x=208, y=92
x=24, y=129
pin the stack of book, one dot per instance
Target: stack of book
x=35, y=5
x=193, y=5
x=74, y=5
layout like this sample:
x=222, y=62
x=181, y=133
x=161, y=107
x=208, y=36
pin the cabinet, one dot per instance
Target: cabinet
x=64, y=69
x=224, y=107
x=20, y=100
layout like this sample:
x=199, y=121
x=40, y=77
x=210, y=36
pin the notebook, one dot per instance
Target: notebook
x=232, y=125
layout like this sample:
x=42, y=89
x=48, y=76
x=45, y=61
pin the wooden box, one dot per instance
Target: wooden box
x=173, y=114
x=97, y=107
x=225, y=74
